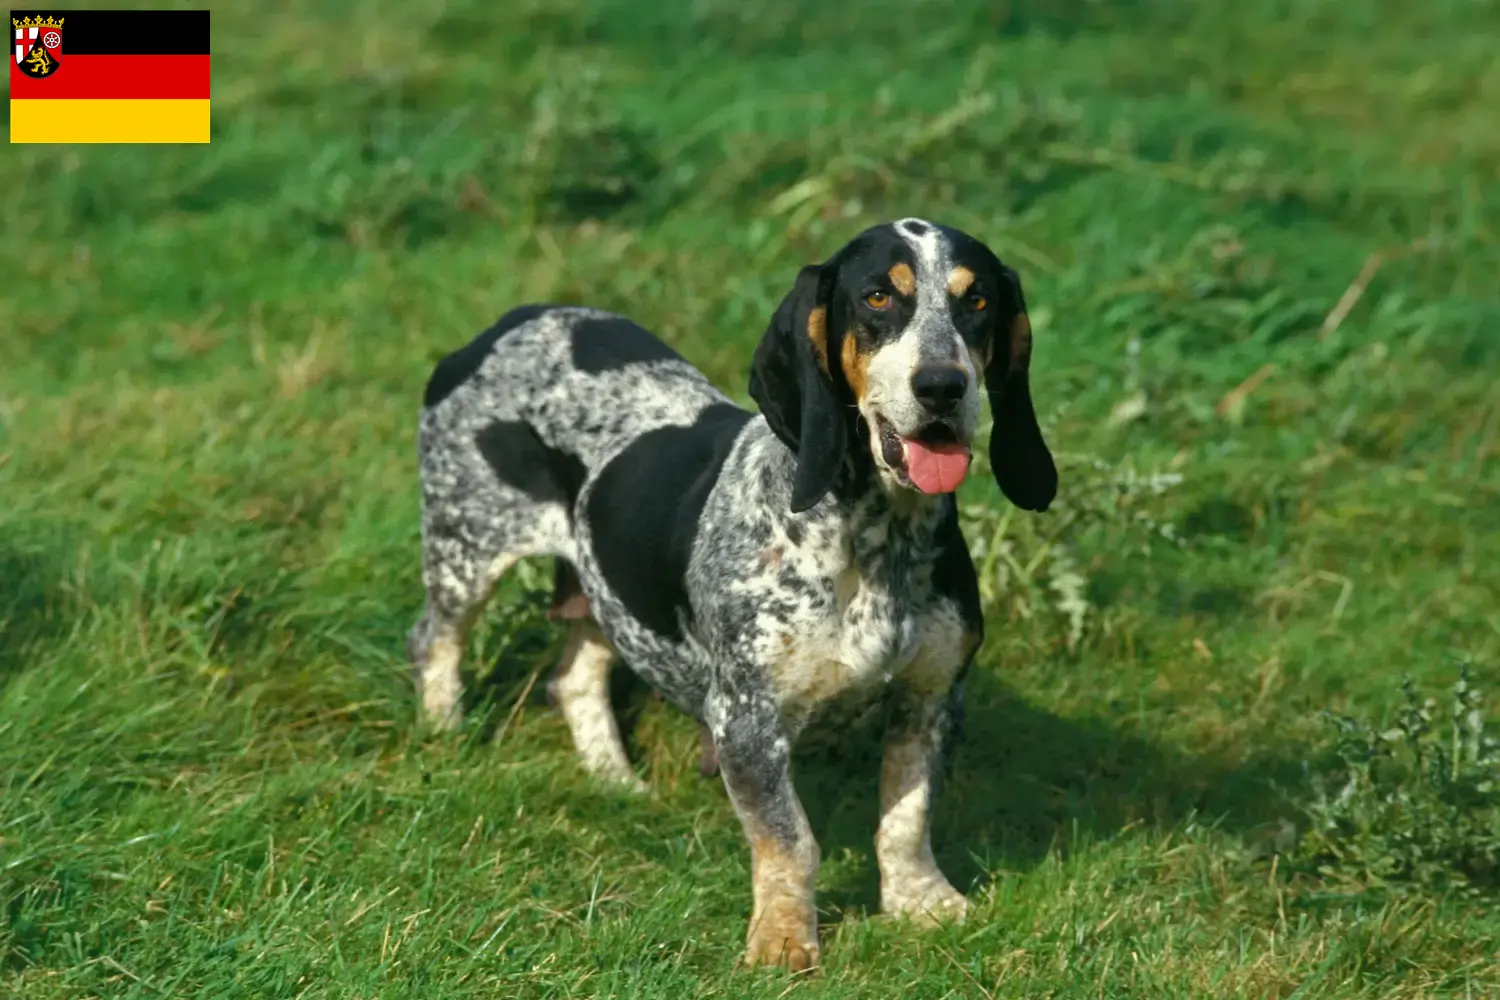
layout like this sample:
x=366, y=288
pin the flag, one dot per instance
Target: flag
x=109, y=76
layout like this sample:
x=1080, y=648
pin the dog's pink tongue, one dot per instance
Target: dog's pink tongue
x=936, y=468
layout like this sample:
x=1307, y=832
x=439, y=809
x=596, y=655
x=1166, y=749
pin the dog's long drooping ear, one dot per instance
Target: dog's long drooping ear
x=1019, y=457
x=790, y=382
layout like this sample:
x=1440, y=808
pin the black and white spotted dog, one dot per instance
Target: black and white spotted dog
x=756, y=570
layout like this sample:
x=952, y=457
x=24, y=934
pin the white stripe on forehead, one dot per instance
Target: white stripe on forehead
x=927, y=243
x=931, y=322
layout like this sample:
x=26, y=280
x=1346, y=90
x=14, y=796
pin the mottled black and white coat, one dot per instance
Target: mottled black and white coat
x=757, y=570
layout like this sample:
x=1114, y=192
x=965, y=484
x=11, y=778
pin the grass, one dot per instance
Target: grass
x=211, y=784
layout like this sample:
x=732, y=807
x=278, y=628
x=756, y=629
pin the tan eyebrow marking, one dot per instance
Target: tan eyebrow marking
x=902, y=277
x=959, y=280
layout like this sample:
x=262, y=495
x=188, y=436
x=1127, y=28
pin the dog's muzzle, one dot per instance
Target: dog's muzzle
x=932, y=461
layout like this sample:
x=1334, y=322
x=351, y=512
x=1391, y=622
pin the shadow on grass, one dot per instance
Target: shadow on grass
x=1024, y=781
x=30, y=600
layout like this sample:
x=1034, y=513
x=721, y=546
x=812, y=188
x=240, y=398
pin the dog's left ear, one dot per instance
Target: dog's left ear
x=1022, y=464
x=791, y=383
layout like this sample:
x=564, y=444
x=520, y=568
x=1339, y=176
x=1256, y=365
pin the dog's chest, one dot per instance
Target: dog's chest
x=861, y=625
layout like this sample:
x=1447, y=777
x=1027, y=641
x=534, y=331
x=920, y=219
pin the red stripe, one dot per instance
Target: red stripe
x=118, y=77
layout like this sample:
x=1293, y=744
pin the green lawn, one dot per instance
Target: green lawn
x=211, y=780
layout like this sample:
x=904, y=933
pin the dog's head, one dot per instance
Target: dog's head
x=883, y=347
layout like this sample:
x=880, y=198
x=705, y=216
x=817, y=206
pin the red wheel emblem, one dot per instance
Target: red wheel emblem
x=52, y=39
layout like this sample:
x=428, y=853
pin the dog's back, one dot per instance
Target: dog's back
x=583, y=381
x=514, y=426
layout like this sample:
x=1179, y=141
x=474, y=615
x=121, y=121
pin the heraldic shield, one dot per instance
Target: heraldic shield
x=38, y=45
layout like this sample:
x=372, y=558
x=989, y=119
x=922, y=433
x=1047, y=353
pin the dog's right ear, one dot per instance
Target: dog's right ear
x=1018, y=454
x=791, y=382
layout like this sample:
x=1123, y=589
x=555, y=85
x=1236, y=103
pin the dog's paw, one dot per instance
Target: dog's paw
x=768, y=951
x=441, y=697
x=620, y=779
x=786, y=937
x=930, y=901
x=441, y=714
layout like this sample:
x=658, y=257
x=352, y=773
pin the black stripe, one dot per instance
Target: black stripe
x=127, y=32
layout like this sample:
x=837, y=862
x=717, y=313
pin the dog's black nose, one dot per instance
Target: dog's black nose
x=939, y=387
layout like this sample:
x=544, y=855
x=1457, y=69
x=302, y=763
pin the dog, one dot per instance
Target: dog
x=762, y=572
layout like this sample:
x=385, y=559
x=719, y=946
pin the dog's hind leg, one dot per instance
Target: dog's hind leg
x=580, y=688
x=580, y=685
x=458, y=587
x=492, y=494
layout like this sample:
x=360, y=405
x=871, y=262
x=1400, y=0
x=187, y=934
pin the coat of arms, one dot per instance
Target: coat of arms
x=38, y=44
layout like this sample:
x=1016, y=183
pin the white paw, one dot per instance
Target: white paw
x=617, y=776
x=443, y=715
x=629, y=784
x=929, y=901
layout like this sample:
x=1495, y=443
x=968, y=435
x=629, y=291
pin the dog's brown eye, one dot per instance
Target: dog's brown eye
x=978, y=302
x=878, y=300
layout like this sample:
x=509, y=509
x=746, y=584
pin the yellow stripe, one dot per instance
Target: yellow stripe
x=109, y=121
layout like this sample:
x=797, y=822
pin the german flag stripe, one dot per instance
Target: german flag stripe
x=109, y=121
x=117, y=77
x=128, y=32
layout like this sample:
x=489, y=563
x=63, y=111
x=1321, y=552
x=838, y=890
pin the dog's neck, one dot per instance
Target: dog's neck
x=873, y=500
x=895, y=530
x=877, y=525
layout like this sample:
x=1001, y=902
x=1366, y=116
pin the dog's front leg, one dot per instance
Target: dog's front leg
x=755, y=761
x=910, y=882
